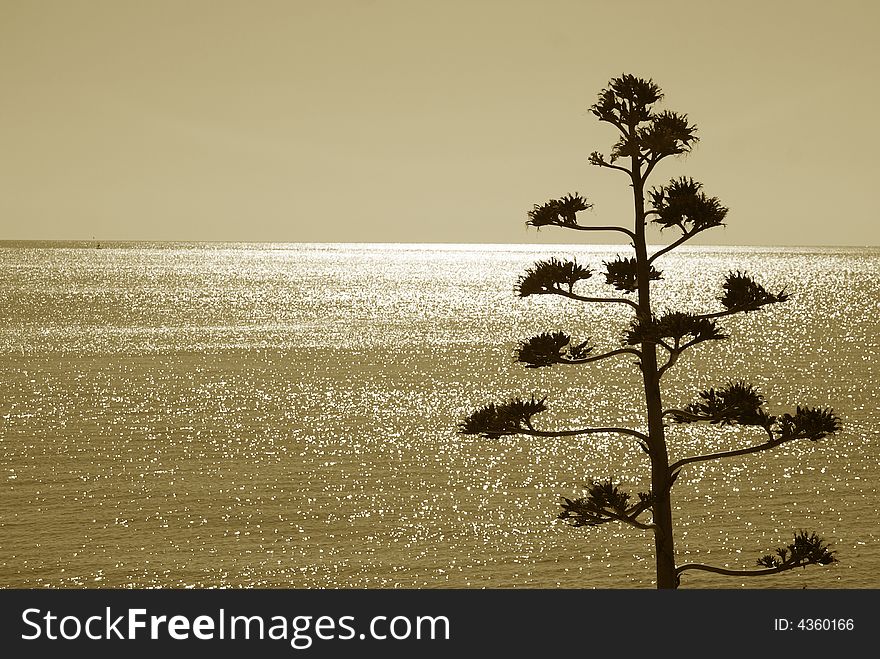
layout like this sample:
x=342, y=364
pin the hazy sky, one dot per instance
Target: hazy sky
x=412, y=121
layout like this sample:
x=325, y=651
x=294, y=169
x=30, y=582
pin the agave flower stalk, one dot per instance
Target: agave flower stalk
x=645, y=137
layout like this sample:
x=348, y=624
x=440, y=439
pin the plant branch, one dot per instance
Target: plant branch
x=772, y=443
x=605, y=503
x=596, y=358
x=673, y=357
x=721, y=314
x=616, y=123
x=608, y=165
x=690, y=344
x=675, y=352
x=585, y=431
x=682, y=413
x=639, y=508
x=661, y=342
x=735, y=573
x=581, y=298
x=684, y=238
x=579, y=227
x=652, y=162
x=631, y=520
x=807, y=549
x=727, y=312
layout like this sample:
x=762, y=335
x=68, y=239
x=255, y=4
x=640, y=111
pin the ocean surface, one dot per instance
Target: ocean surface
x=285, y=415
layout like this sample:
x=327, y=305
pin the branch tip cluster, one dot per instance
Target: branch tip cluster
x=552, y=276
x=806, y=549
x=494, y=421
x=739, y=403
x=558, y=212
x=551, y=348
x=645, y=135
x=605, y=502
x=682, y=329
x=622, y=274
x=743, y=293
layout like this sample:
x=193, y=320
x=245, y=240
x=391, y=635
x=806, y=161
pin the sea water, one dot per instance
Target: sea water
x=286, y=415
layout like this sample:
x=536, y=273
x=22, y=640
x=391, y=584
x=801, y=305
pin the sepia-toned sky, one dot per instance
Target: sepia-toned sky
x=424, y=121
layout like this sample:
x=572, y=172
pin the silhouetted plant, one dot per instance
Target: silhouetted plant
x=622, y=274
x=807, y=549
x=560, y=212
x=742, y=293
x=604, y=502
x=495, y=421
x=646, y=137
x=551, y=348
x=550, y=276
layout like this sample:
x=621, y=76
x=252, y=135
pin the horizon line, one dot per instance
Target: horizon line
x=96, y=241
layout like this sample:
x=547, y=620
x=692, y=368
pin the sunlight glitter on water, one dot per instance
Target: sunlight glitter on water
x=285, y=416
